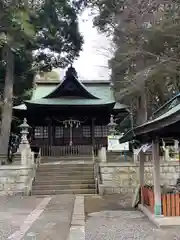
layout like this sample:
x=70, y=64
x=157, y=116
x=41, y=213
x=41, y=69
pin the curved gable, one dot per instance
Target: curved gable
x=71, y=87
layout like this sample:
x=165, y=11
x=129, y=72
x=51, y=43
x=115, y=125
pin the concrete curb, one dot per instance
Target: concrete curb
x=160, y=221
x=77, y=229
x=148, y=214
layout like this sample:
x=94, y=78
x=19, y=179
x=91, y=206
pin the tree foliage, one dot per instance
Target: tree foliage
x=23, y=74
x=146, y=58
x=57, y=31
x=49, y=27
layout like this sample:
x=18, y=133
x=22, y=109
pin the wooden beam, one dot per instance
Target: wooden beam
x=92, y=132
x=141, y=174
x=156, y=177
x=50, y=138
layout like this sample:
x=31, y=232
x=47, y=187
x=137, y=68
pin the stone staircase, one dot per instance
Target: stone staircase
x=65, y=177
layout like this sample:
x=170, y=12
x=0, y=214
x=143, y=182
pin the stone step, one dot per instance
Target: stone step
x=64, y=161
x=65, y=178
x=65, y=170
x=72, y=166
x=72, y=160
x=63, y=182
x=61, y=159
x=82, y=156
x=67, y=191
x=63, y=187
x=61, y=170
x=65, y=173
x=67, y=163
x=59, y=178
x=60, y=166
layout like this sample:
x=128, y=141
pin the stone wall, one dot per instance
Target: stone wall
x=124, y=177
x=16, y=179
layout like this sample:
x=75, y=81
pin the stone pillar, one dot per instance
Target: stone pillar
x=136, y=155
x=156, y=177
x=176, y=148
x=166, y=154
x=102, y=155
x=141, y=174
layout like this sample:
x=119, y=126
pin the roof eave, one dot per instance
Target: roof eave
x=151, y=127
x=21, y=107
x=30, y=103
x=128, y=136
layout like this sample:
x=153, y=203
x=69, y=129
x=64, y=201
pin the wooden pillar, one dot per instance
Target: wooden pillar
x=141, y=174
x=156, y=177
x=49, y=132
x=92, y=132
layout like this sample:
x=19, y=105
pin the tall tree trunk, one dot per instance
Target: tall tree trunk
x=142, y=107
x=8, y=100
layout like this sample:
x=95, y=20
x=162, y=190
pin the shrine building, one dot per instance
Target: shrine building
x=70, y=112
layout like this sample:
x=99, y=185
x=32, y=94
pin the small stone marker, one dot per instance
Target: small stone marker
x=32, y=235
x=136, y=197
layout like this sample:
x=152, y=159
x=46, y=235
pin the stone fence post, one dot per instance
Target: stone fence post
x=102, y=154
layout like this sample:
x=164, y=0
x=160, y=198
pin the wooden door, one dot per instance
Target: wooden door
x=66, y=139
x=77, y=136
x=73, y=136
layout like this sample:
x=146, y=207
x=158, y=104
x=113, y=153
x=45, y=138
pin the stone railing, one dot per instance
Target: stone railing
x=97, y=177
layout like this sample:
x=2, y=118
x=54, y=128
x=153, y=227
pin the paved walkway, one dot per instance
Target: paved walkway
x=36, y=218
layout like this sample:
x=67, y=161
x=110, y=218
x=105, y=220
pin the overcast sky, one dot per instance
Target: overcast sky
x=93, y=60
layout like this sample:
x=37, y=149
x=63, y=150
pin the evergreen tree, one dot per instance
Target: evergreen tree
x=145, y=66
x=49, y=27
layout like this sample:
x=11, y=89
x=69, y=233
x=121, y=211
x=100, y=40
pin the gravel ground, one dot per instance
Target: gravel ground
x=115, y=220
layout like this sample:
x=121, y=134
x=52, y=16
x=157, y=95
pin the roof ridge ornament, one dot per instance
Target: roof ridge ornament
x=71, y=72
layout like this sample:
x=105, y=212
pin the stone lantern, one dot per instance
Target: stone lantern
x=27, y=157
x=112, y=131
x=24, y=127
x=112, y=126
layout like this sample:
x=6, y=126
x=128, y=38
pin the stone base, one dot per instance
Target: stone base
x=17, y=159
x=160, y=221
x=101, y=190
x=104, y=189
x=3, y=159
x=16, y=179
